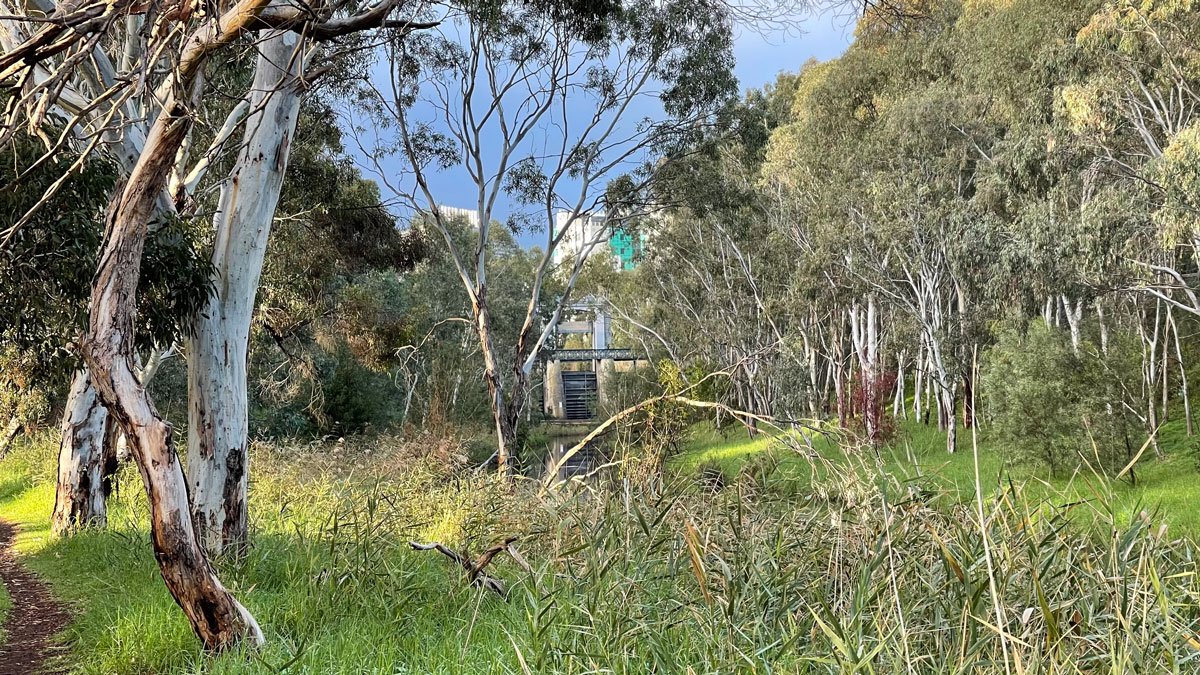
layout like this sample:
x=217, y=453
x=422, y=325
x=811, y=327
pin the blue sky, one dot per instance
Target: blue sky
x=760, y=55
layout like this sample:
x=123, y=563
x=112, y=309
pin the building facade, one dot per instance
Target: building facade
x=594, y=234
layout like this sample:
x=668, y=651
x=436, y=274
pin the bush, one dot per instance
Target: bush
x=1050, y=405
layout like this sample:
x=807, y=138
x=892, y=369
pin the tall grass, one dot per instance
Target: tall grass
x=862, y=573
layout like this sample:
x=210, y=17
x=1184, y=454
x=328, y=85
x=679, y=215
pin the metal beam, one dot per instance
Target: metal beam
x=590, y=355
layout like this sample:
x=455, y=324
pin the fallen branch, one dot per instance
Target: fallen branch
x=474, y=569
x=741, y=415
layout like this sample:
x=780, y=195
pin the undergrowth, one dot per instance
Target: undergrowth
x=864, y=573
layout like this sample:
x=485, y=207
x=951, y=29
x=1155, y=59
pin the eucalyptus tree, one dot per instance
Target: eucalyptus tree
x=46, y=60
x=218, y=422
x=718, y=261
x=45, y=275
x=1136, y=107
x=330, y=297
x=544, y=104
x=905, y=175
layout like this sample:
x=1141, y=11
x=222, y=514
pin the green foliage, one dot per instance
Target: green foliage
x=46, y=272
x=1178, y=172
x=1051, y=405
x=334, y=312
x=22, y=397
x=46, y=269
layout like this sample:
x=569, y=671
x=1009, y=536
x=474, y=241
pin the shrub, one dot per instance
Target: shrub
x=1051, y=405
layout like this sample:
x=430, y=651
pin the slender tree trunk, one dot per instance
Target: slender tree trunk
x=1165, y=372
x=918, y=381
x=218, y=417
x=928, y=396
x=1103, y=328
x=498, y=402
x=814, y=375
x=827, y=388
x=951, y=425
x=968, y=413
x=839, y=390
x=216, y=617
x=1183, y=378
x=1074, y=314
x=79, y=494
x=1150, y=375
x=864, y=335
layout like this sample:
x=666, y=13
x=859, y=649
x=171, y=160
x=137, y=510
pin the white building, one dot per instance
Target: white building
x=588, y=231
x=471, y=216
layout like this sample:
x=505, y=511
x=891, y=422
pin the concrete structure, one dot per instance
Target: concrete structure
x=587, y=232
x=572, y=393
x=554, y=403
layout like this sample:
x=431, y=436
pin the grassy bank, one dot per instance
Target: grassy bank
x=762, y=575
x=1167, y=486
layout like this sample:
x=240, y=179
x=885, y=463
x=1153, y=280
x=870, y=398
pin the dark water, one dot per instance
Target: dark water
x=586, y=464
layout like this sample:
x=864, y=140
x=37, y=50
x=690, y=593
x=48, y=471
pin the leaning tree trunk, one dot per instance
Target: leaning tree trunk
x=216, y=617
x=79, y=495
x=218, y=423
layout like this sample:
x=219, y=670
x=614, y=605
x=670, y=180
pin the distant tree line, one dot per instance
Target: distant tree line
x=1001, y=192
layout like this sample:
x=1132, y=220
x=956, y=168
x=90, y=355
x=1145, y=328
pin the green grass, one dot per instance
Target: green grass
x=332, y=584
x=5, y=607
x=1168, y=486
x=807, y=571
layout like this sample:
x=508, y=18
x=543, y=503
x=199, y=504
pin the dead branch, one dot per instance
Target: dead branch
x=474, y=569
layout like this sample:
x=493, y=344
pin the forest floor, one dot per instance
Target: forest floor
x=644, y=581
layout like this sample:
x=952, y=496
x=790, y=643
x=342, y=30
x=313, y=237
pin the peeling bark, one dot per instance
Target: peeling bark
x=218, y=419
x=216, y=617
x=79, y=495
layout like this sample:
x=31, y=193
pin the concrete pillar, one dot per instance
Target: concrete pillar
x=552, y=388
x=604, y=378
x=601, y=330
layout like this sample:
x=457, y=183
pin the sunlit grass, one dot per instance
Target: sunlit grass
x=817, y=566
x=1168, y=486
x=337, y=588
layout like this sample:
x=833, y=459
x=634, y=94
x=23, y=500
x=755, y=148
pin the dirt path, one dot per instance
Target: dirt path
x=33, y=619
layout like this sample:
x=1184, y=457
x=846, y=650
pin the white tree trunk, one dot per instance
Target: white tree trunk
x=79, y=497
x=1074, y=314
x=864, y=335
x=217, y=409
x=216, y=617
x=1103, y=328
x=1150, y=374
x=918, y=379
x=9, y=434
x=1183, y=378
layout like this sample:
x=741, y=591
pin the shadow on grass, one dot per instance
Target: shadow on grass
x=325, y=607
